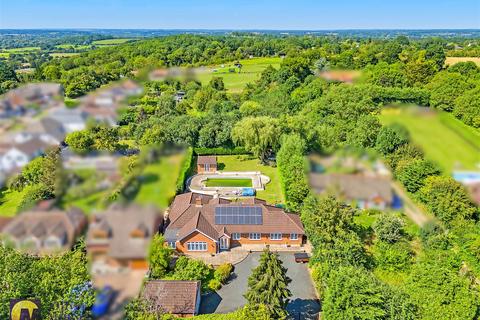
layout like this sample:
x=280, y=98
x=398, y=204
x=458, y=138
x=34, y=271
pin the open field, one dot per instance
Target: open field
x=273, y=191
x=159, y=182
x=452, y=60
x=445, y=140
x=64, y=54
x=246, y=183
x=21, y=50
x=110, y=42
x=234, y=81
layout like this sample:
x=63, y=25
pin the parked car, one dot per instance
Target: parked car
x=103, y=302
x=301, y=257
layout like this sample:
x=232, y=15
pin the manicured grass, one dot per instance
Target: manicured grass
x=159, y=182
x=21, y=50
x=273, y=191
x=452, y=60
x=445, y=140
x=93, y=202
x=246, y=183
x=10, y=201
x=235, y=82
x=109, y=42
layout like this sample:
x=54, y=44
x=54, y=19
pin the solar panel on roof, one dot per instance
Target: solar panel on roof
x=238, y=215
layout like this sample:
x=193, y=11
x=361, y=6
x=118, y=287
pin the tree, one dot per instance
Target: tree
x=191, y=269
x=259, y=135
x=353, y=293
x=7, y=73
x=293, y=171
x=393, y=257
x=412, y=174
x=268, y=286
x=389, y=228
x=60, y=281
x=80, y=141
x=447, y=199
x=467, y=107
x=217, y=83
x=467, y=68
x=391, y=137
x=159, y=257
x=445, y=87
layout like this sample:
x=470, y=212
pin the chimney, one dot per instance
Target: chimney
x=198, y=201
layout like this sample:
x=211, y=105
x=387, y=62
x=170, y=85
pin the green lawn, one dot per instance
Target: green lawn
x=445, y=140
x=10, y=201
x=219, y=182
x=110, y=42
x=64, y=54
x=273, y=191
x=159, y=182
x=235, y=82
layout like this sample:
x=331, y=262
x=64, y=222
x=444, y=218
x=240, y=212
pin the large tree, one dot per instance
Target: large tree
x=268, y=286
x=159, y=257
x=259, y=135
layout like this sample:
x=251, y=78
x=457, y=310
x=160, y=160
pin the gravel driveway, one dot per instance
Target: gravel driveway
x=303, y=303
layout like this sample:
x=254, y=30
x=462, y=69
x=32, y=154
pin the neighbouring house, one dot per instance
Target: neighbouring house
x=103, y=104
x=206, y=164
x=179, y=298
x=17, y=154
x=179, y=96
x=16, y=102
x=366, y=192
x=48, y=130
x=203, y=223
x=120, y=237
x=44, y=230
x=71, y=119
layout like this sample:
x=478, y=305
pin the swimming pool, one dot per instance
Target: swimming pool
x=466, y=177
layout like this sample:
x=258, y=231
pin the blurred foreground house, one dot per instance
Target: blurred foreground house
x=179, y=298
x=44, y=230
x=120, y=237
x=201, y=223
x=366, y=192
x=16, y=155
x=103, y=104
x=71, y=119
x=30, y=98
x=471, y=181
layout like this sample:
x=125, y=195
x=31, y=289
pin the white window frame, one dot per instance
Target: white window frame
x=197, y=246
x=276, y=236
x=293, y=236
x=172, y=244
x=236, y=236
x=254, y=236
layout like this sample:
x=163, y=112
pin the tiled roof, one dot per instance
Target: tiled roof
x=186, y=216
x=207, y=160
x=172, y=296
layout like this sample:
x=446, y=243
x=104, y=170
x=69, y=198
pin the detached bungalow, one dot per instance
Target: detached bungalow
x=208, y=224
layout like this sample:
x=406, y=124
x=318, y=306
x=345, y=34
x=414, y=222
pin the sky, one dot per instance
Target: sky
x=241, y=14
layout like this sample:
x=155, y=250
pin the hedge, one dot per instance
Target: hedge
x=220, y=151
x=185, y=170
x=385, y=95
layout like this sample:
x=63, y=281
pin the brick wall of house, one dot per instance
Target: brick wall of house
x=265, y=239
x=197, y=237
x=201, y=168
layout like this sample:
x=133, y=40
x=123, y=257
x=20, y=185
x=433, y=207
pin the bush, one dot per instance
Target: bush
x=433, y=236
x=393, y=257
x=222, y=273
x=412, y=174
x=185, y=170
x=389, y=228
x=391, y=138
x=214, y=285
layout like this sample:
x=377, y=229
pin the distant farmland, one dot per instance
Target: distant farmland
x=452, y=60
x=444, y=139
x=111, y=42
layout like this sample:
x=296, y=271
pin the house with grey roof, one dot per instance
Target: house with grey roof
x=71, y=119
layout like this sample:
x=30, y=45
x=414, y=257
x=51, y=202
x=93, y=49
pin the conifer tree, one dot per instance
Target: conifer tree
x=268, y=286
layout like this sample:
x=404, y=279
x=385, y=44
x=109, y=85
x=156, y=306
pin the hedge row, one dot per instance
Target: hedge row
x=383, y=95
x=220, y=151
x=185, y=170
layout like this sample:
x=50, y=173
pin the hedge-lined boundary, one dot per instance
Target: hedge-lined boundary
x=185, y=170
x=220, y=151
